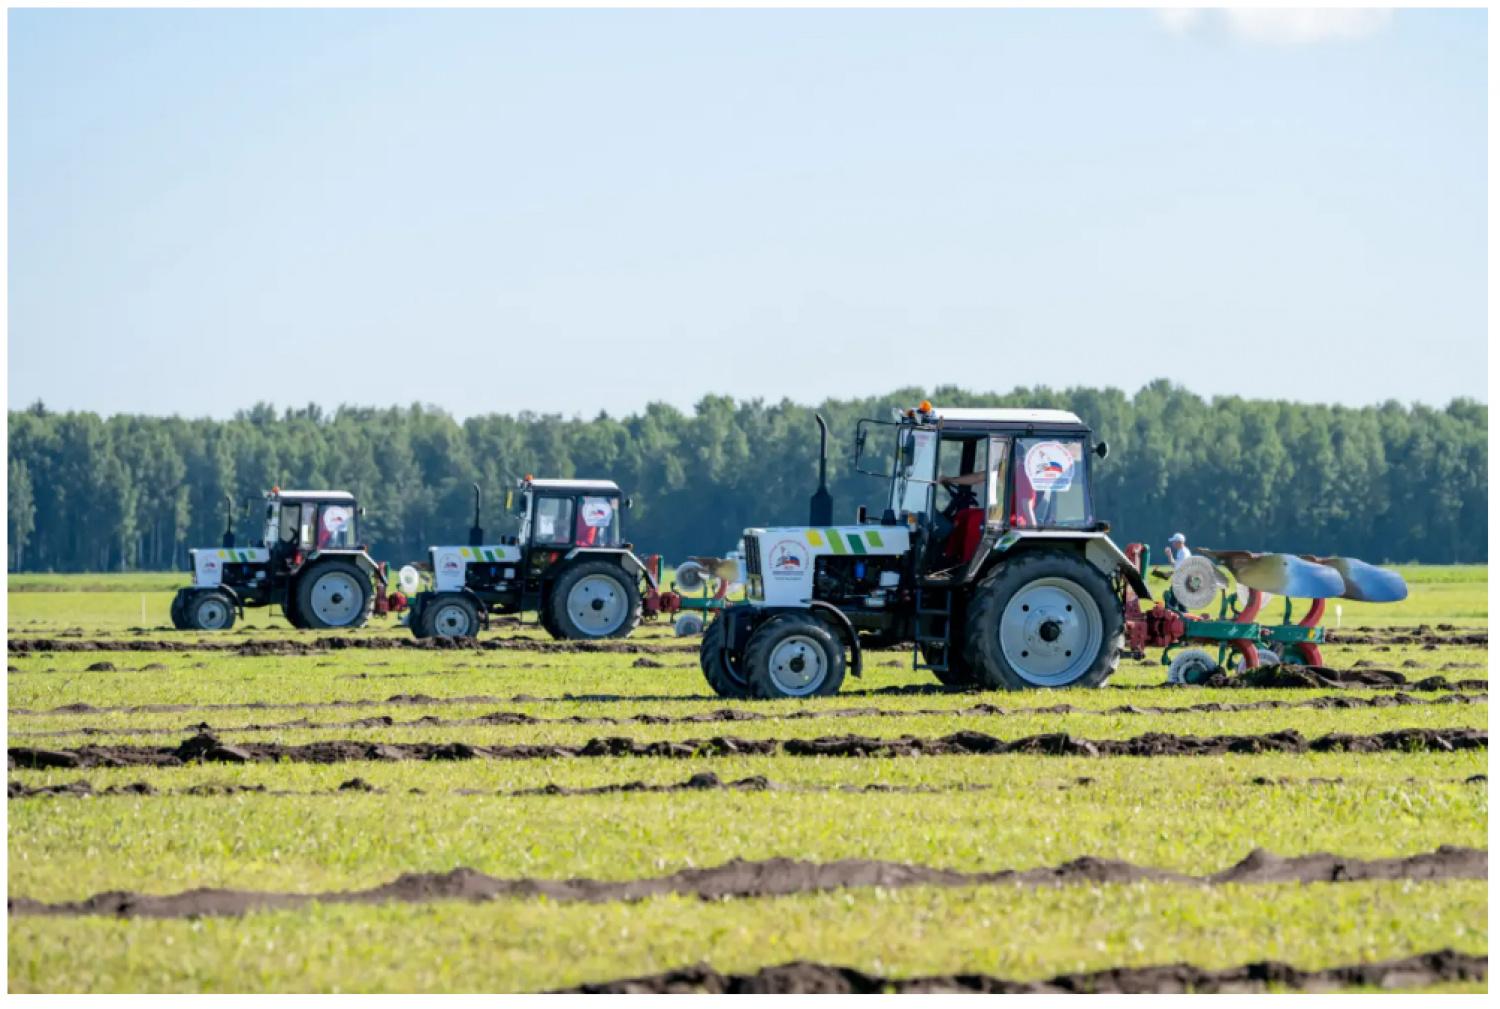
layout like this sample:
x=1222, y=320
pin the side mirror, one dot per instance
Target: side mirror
x=909, y=452
x=859, y=515
x=628, y=503
x=360, y=511
x=1102, y=450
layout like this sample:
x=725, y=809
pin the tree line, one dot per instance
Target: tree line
x=129, y=492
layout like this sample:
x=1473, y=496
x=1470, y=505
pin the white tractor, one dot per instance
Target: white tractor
x=309, y=562
x=568, y=562
x=987, y=556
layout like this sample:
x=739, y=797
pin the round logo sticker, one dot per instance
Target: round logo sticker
x=788, y=559
x=450, y=562
x=1049, y=466
x=336, y=519
x=597, y=512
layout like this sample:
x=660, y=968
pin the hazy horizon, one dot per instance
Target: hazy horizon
x=563, y=212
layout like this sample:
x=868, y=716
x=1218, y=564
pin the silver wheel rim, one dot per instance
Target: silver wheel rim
x=337, y=598
x=798, y=665
x=597, y=605
x=213, y=614
x=1051, y=632
x=452, y=621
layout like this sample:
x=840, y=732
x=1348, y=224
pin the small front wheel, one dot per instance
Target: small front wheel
x=210, y=611
x=794, y=656
x=449, y=616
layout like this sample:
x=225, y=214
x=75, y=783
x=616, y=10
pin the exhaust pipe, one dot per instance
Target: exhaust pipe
x=821, y=511
x=228, y=542
x=476, y=534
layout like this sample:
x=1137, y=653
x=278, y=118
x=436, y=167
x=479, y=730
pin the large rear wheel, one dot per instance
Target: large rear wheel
x=958, y=674
x=595, y=599
x=1044, y=620
x=334, y=594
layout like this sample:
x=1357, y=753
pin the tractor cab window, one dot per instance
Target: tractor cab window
x=1051, y=484
x=552, y=521
x=336, y=527
x=915, y=471
x=289, y=515
x=598, y=522
x=307, y=525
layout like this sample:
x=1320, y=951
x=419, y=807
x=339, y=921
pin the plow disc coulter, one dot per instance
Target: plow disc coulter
x=1196, y=646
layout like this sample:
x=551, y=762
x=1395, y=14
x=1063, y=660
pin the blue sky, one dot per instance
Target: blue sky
x=569, y=211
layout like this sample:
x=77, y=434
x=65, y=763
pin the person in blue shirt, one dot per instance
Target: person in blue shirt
x=1177, y=549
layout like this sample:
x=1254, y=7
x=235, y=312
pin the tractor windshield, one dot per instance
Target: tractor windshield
x=1051, y=484
x=598, y=522
x=336, y=527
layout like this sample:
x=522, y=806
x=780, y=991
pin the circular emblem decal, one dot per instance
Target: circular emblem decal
x=1049, y=466
x=788, y=559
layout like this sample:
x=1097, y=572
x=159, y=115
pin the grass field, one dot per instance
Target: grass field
x=294, y=827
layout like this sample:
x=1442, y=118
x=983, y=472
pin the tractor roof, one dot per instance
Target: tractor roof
x=330, y=496
x=1009, y=417
x=576, y=486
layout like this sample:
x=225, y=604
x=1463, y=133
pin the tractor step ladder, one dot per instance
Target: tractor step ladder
x=934, y=627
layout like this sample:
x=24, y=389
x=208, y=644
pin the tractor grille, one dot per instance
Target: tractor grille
x=754, y=588
x=752, y=555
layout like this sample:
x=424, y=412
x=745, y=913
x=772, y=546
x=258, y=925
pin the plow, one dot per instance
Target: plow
x=1245, y=585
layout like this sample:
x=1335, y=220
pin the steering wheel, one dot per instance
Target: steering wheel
x=961, y=496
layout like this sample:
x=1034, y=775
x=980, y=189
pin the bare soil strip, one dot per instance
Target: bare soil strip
x=775, y=877
x=703, y=781
x=740, y=715
x=337, y=643
x=206, y=747
x=802, y=978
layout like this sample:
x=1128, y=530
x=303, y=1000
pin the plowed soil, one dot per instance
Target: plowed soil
x=802, y=978
x=776, y=877
x=206, y=747
x=336, y=643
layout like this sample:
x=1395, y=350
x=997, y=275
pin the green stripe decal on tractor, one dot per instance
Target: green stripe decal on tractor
x=874, y=538
x=856, y=544
x=836, y=541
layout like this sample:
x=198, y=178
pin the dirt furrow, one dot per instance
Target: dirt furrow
x=804, y=978
x=337, y=643
x=206, y=747
x=741, y=715
x=775, y=877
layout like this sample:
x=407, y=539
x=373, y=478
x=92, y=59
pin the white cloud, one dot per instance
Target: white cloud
x=1280, y=25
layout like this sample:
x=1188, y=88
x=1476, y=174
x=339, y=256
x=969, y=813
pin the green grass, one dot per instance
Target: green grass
x=534, y=945
x=1194, y=814
x=114, y=604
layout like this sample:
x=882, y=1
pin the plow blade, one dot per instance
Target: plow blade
x=1364, y=582
x=1282, y=574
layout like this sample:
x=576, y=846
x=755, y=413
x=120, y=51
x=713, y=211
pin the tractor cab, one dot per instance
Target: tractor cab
x=300, y=523
x=966, y=477
x=560, y=515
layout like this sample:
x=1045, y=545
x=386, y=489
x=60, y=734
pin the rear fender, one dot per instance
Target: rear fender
x=1097, y=548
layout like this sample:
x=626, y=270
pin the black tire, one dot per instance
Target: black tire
x=450, y=615
x=317, y=599
x=1075, y=603
x=594, y=599
x=179, y=609
x=958, y=674
x=414, y=615
x=544, y=617
x=726, y=682
x=289, y=610
x=209, y=610
x=779, y=653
